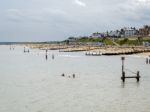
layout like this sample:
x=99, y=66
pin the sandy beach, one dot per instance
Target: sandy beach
x=105, y=50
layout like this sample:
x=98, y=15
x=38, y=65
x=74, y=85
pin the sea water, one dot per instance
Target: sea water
x=31, y=83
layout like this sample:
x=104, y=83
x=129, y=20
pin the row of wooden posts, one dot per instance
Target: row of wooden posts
x=26, y=51
x=46, y=55
x=137, y=76
x=148, y=60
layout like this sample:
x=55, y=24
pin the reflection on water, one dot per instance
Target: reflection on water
x=28, y=83
x=125, y=84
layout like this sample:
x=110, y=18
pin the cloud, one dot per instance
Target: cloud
x=14, y=15
x=136, y=11
x=80, y=3
x=33, y=16
x=144, y=1
x=57, y=20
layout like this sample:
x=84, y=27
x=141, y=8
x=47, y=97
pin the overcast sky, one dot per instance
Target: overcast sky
x=47, y=20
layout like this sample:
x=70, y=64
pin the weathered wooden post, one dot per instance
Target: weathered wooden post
x=24, y=50
x=46, y=57
x=10, y=47
x=73, y=75
x=149, y=59
x=123, y=72
x=122, y=58
x=63, y=75
x=138, y=76
x=123, y=77
x=59, y=47
x=53, y=56
x=146, y=60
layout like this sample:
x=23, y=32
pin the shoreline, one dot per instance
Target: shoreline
x=91, y=50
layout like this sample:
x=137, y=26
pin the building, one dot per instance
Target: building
x=146, y=44
x=114, y=33
x=128, y=32
x=72, y=39
x=145, y=31
x=97, y=35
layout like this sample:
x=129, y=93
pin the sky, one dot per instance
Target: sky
x=52, y=20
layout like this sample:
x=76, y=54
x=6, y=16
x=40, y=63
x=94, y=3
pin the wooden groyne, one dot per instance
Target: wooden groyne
x=47, y=46
x=93, y=50
x=117, y=51
x=79, y=49
x=125, y=52
x=72, y=50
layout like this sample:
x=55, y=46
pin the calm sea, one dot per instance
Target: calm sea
x=30, y=83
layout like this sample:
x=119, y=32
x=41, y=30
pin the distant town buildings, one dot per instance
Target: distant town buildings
x=145, y=31
x=120, y=33
x=124, y=32
x=97, y=35
x=128, y=32
x=146, y=44
x=116, y=33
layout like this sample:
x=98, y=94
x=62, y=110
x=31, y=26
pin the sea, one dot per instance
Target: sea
x=30, y=82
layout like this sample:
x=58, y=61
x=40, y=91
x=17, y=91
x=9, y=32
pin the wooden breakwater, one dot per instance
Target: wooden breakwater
x=79, y=49
x=47, y=46
x=72, y=50
x=93, y=50
x=118, y=51
x=51, y=48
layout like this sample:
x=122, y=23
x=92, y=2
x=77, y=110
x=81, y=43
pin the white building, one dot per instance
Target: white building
x=129, y=32
x=114, y=33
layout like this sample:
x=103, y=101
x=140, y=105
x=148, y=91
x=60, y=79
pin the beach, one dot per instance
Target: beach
x=97, y=50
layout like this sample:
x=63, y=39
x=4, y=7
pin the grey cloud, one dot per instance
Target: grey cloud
x=46, y=19
x=80, y=3
x=14, y=15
